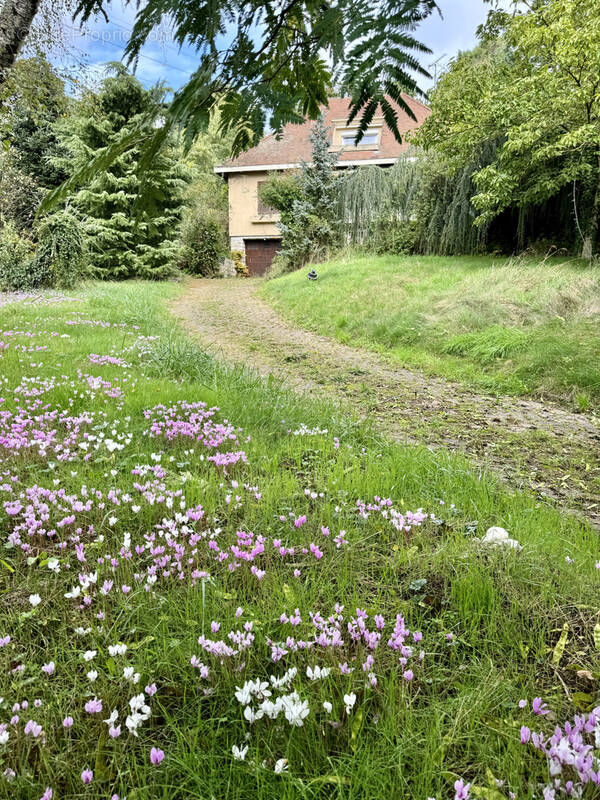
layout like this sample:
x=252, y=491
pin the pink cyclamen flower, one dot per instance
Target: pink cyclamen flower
x=156, y=756
x=93, y=706
x=68, y=722
x=462, y=790
x=47, y=794
x=87, y=776
x=539, y=708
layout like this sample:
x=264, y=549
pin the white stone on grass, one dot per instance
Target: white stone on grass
x=499, y=537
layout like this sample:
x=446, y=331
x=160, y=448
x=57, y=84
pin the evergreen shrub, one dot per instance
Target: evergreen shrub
x=18, y=270
x=394, y=237
x=61, y=249
x=204, y=242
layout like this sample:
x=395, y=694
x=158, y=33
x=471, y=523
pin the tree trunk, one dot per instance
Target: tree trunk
x=16, y=17
x=591, y=229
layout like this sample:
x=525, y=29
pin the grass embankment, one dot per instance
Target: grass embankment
x=512, y=327
x=106, y=544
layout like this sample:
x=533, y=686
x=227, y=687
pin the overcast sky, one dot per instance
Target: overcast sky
x=162, y=60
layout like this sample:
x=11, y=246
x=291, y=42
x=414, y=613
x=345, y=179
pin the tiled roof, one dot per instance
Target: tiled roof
x=294, y=145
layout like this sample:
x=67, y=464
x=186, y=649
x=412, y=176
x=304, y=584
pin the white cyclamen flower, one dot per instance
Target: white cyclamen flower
x=318, y=673
x=130, y=675
x=239, y=753
x=251, y=715
x=113, y=717
x=349, y=700
x=243, y=695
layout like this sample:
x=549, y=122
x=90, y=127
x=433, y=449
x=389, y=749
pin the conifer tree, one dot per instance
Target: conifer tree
x=311, y=227
x=127, y=238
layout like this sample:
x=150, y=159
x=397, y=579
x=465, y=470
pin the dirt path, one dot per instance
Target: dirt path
x=542, y=447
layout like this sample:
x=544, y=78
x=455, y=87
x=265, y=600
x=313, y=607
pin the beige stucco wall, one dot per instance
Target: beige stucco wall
x=244, y=219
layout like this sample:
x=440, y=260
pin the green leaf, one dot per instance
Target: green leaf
x=583, y=701
x=102, y=771
x=146, y=640
x=355, y=729
x=336, y=780
x=597, y=635
x=486, y=793
x=560, y=645
x=289, y=595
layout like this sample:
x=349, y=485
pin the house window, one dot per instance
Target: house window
x=262, y=208
x=370, y=137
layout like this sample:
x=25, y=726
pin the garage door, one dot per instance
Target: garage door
x=260, y=253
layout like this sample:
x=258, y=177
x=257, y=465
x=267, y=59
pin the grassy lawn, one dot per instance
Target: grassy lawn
x=512, y=327
x=159, y=555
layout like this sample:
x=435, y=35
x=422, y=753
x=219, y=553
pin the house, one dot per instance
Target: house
x=252, y=226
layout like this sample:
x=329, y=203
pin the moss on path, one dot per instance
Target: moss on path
x=547, y=449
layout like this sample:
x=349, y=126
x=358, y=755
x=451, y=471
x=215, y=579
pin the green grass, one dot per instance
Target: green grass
x=459, y=717
x=505, y=326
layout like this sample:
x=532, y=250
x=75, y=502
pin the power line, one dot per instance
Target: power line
x=102, y=40
x=126, y=27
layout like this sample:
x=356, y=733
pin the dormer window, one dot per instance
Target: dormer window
x=369, y=137
x=344, y=135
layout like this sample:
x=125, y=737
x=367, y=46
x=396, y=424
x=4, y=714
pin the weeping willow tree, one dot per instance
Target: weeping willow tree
x=443, y=209
x=420, y=191
x=369, y=195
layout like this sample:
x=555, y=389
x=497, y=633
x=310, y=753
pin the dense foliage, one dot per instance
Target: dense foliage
x=376, y=205
x=61, y=249
x=515, y=130
x=32, y=101
x=16, y=261
x=309, y=220
x=204, y=223
x=204, y=241
x=126, y=239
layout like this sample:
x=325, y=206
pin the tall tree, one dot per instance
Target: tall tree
x=552, y=108
x=33, y=100
x=309, y=221
x=16, y=17
x=32, y=28
x=524, y=110
x=126, y=240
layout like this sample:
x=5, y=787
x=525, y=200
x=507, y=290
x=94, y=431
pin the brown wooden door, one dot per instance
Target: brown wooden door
x=260, y=253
